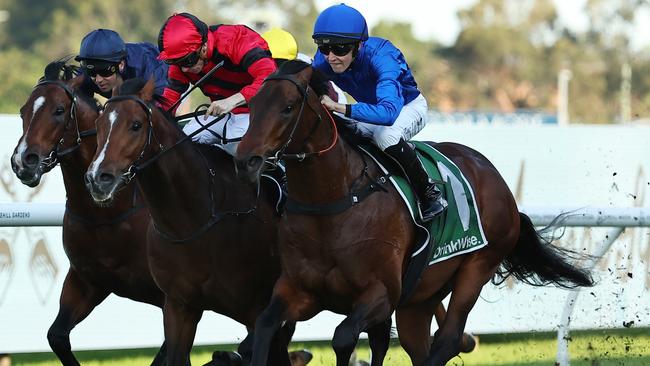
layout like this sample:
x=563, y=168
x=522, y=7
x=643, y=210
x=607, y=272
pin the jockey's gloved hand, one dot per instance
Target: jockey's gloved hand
x=224, y=106
x=332, y=105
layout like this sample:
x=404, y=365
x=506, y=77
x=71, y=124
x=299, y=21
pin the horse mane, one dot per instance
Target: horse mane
x=319, y=82
x=60, y=70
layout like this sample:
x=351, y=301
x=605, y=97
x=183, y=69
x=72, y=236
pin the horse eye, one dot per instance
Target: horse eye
x=136, y=125
x=288, y=109
x=59, y=111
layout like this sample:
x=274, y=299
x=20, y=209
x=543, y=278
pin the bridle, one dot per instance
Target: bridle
x=138, y=165
x=304, y=91
x=52, y=158
x=355, y=194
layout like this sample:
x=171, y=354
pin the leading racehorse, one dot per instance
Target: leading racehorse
x=106, y=246
x=212, y=244
x=349, y=255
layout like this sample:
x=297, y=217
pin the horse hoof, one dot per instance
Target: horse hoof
x=469, y=344
x=224, y=358
x=300, y=358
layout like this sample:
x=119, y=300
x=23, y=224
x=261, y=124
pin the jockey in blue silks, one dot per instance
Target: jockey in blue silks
x=390, y=109
x=108, y=61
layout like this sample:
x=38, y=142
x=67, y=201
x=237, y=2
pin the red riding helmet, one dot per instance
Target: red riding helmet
x=181, y=34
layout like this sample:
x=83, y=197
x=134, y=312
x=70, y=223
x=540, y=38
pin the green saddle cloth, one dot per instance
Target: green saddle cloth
x=458, y=229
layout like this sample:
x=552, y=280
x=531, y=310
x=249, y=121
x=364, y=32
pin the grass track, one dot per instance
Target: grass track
x=627, y=347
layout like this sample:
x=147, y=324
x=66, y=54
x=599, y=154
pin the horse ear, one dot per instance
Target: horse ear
x=305, y=75
x=322, y=85
x=147, y=91
x=76, y=82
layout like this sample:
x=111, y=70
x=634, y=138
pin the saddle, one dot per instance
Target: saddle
x=456, y=231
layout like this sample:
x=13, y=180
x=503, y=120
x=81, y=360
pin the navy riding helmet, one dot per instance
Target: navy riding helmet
x=102, y=45
x=340, y=24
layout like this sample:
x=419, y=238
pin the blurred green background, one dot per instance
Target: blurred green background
x=507, y=55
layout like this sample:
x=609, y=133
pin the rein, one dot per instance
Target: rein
x=199, y=112
x=354, y=196
x=136, y=166
x=215, y=215
x=304, y=91
x=53, y=157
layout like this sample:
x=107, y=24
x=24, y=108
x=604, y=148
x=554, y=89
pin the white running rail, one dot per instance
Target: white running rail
x=51, y=214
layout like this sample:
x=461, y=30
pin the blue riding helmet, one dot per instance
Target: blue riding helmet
x=102, y=45
x=340, y=24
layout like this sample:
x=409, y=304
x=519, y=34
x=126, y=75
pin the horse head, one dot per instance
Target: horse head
x=125, y=134
x=52, y=118
x=285, y=120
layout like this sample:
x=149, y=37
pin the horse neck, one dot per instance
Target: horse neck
x=327, y=177
x=176, y=186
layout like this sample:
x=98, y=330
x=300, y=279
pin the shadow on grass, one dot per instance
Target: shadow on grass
x=108, y=355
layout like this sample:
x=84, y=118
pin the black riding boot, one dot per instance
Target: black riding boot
x=430, y=197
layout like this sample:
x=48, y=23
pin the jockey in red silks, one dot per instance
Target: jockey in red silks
x=192, y=49
x=390, y=108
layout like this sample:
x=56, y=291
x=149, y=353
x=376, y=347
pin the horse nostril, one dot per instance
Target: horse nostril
x=106, y=178
x=31, y=160
x=88, y=179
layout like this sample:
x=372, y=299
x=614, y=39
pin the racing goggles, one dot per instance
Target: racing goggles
x=337, y=49
x=188, y=60
x=104, y=70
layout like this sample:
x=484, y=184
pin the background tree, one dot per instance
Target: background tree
x=506, y=57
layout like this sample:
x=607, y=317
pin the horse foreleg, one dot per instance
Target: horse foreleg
x=287, y=304
x=180, y=328
x=78, y=299
x=414, y=329
x=371, y=310
x=379, y=341
x=468, y=342
x=469, y=281
x=279, y=352
x=161, y=357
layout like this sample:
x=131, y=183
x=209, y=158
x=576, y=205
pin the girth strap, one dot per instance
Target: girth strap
x=336, y=207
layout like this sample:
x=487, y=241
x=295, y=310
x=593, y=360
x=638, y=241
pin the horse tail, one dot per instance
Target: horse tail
x=536, y=261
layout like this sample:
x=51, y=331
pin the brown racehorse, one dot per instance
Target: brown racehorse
x=106, y=246
x=209, y=247
x=352, y=261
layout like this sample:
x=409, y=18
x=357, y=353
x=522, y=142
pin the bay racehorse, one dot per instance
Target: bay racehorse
x=106, y=246
x=351, y=261
x=212, y=244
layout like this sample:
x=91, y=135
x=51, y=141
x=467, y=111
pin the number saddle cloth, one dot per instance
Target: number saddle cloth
x=456, y=231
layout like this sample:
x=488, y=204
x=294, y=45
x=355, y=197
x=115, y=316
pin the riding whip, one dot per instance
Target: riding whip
x=201, y=80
